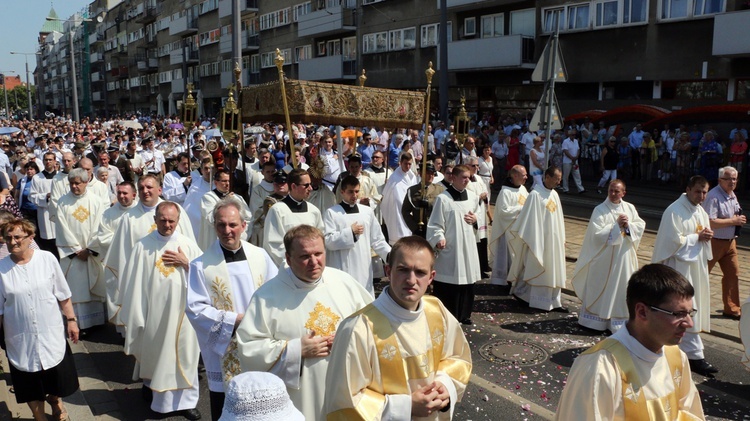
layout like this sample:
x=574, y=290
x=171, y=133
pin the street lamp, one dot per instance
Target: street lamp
x=98, y=19
x=5, y=91
x=28, y=81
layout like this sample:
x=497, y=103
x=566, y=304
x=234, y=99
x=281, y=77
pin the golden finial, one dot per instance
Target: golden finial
x=279, y=60
x=362, y=78
x=429, y=72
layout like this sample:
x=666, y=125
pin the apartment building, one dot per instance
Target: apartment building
x=140, y=57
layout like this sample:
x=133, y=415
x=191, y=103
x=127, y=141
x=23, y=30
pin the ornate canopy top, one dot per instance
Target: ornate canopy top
x=327, y=103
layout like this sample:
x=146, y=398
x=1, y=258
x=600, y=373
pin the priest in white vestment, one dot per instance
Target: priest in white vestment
x=78, y=217
x=248, y=172
x=683, y=242
x=262, y=189
x=363, y=383
x=177, y=182
x=607, y=259
x=221, y=283
x=158, y=333
x=60, y=184
x=290, y=212
x=450, y=230
x=40, y=192
x=378, y=174
x=479, y=188
x=135, y=224
x=639, y=372
x=95, y=186
x=538, y=269
x=280, y=191
x=207, y=233
x=289, y=325
x=393, y=198
x=352, y=233
x=201, y=185
x=509, y=203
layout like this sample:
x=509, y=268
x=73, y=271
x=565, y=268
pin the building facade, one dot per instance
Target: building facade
x=141, y=55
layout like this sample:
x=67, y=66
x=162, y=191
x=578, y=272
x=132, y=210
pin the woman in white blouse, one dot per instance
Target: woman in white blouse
x=33, y=293
x=486, y=166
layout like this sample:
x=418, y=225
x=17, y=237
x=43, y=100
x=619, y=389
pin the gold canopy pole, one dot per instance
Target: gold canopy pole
x=279, y=60
x=429, y=73
x=188, y=119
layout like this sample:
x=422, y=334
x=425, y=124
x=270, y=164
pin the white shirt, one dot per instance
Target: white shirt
x=570, y=145
x=29, y=296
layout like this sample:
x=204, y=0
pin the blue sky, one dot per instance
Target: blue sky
x=20, y=30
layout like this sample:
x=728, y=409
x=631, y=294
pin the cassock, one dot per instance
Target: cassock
x=367, y=188
x=507, y=207
x=322, y=198
x=41, y=185
x=677, y=246
x=158, y=333
x=248, y=171
x=353, y=253
x=174, y=190
x=262, y=190
x=478, y=188
x=280, y=312
x=607, y=259
x=363, y=384
x=538, y=269
x=193, y=203
x=283, y=216
x=596, y=390
x=393, y=198
x=221, y=283
x=78, y=219
x=134, y=225
x=207, y=232
x=457, y=265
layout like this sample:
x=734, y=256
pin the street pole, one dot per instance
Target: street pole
x=237, y=39
x=5, y=90
x=72, y=76
x=443, y=46
x=28, y=87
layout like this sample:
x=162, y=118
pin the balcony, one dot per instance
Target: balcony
x=730, y=34
x=178, y=86
x=96, y=57
x=330, y=21
x=121, y=50
x=96, y=37
x=178, y=56
x=184, y=26
x=246, y=6
x=327, y=68
x=96, y=77
x=250, y=42
x=476, y=3
x=149, y=14
x=516, y=51
x=97, y=96
x=119, y=72
x=226, y=78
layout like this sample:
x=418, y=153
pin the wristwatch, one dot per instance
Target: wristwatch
x=71, y=319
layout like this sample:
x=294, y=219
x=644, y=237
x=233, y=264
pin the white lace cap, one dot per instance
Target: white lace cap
x=258, y=396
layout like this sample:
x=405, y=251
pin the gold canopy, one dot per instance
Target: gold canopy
x=327, y=103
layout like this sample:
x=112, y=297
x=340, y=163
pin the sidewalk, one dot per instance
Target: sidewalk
x=575, y=230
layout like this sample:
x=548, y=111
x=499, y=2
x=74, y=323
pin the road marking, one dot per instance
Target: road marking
x=512, y=397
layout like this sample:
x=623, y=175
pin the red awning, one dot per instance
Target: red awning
x=639, y=113
x=592, y=114
x=705, y=114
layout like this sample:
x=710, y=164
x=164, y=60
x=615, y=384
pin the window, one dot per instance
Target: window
x=267, y=59
x=606, y=13
x=470, y=26
x=430, y=35
x=275, y=19
x=493, y=25
x=578, y=16
x=554, y=20
x=301, y=10
x=350, y=48
x=682, y=9
x=635, y=11
x=321, y=48
x=375, y=43
x=674, y=9
x=402, y=39
x=302, y=53
x=255, y=63
x=523, y=22
x=333, y=47
x=707, y=7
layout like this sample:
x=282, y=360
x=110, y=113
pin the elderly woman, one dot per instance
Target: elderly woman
x=537, y=163
x=79, y=214
x=33, y=292
x=23, y=189
x=102, y=174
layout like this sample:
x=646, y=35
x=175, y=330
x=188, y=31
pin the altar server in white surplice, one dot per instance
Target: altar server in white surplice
x=177, y=182
x=538, y=268
x=221, y=282
x=351, y=233
x=158, y=333
x=289, y=325
x=683, y=242
x=60, y=184
x=639, y=373
x=393, y=198
x=429, y=366
x=78, y=215
x=290, y=212
x=136, y=223
x=450, y=230
x=207, y=233
x=201, y=185
x=607, y=260
x=507, y=207
x=262, y=189
x=40, y=193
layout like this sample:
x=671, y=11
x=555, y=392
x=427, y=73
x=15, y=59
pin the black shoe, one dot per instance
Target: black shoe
x=560, y=310
x=467, y=322
x=192, y=414
x=147, y=394
x=582, y=192
x=703, y=367
x=732, y=316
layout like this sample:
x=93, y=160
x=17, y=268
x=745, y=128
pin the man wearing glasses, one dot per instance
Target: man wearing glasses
x=639, y=372
x=726, y=218
x=288, y=213
x=684, y=244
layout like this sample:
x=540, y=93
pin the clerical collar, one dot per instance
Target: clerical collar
x=377, y=170
x=349, y=209
x=445, y=183
x=148, y=208
x=458, y=196
x=295, y=206
x=182, y=174
x=248, y=159
x=220, y=194
x=48, y=175
x=387, y=304
x=233, y=255
x=165, y=238
x=64, y=172
x=509, y=183
x=299, y=283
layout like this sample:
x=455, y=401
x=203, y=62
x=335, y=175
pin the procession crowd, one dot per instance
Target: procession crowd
x=260, y=254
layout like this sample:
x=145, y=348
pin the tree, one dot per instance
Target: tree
x=17, y=98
